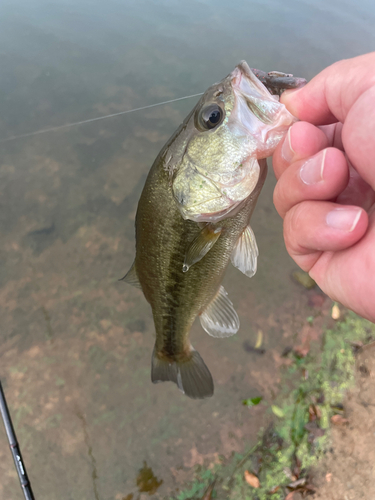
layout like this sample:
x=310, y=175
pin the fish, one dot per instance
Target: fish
x=193, y=217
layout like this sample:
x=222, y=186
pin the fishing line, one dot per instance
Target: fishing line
x=59, y=127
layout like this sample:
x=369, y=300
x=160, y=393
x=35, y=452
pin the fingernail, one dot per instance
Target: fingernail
x=290, y=92
x=288, y=99
x=343, y=218
x=287, y=152
x=311, y=172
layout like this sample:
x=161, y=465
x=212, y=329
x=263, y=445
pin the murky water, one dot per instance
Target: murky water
x=75, y=344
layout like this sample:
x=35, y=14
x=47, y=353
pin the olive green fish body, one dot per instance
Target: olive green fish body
x=177, y=297
x=193, y=219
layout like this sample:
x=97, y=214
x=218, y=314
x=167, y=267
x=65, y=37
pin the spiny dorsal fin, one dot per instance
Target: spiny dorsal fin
x=192, y=376
x=245, y=253
x=131, y=277
x=201, y=245
x=219, y=319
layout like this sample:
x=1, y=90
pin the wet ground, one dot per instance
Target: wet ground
x=348, y=471
x=76, y=344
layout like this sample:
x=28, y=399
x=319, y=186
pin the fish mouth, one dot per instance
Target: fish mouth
x=240, y=71
x=253, y=97
x=256, y=112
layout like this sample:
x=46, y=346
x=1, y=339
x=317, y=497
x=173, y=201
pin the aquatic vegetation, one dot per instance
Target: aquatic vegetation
x=198, y=486
x=311, y=398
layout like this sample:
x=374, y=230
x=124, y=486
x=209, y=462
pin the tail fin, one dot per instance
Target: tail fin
x=192, y=376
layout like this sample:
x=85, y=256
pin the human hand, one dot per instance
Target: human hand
x=326, y=182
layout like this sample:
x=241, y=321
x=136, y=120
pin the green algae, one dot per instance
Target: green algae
x=312, y=391
x=203, y=479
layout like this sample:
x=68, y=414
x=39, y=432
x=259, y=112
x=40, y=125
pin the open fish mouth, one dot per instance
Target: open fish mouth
x=257, y=113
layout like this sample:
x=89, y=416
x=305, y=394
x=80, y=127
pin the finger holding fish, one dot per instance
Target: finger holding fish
x=335, y=178
x=322, y=176
x=302, y=141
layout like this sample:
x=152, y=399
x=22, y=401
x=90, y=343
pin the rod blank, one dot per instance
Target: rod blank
x=14, y=448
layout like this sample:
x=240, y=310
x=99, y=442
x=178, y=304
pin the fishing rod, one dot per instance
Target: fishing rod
x=14, y=448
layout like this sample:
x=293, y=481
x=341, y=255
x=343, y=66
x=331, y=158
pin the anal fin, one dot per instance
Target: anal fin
x=245, y=253
x=131, y=277
x=201, y=245
x=220, y=319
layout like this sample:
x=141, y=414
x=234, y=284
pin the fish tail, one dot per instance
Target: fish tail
x=192, y=376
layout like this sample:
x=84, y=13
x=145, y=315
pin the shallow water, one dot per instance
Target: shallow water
x=75, y=344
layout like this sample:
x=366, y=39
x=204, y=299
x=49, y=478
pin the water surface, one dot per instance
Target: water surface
x=75, y=344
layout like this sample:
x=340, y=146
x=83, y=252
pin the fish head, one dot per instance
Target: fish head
x=236, y=123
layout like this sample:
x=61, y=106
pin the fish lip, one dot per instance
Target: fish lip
x=236, y=77
x=242, y=70
x=256, y=111
x=245, y=69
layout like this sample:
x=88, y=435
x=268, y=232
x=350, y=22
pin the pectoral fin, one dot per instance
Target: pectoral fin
x=131, y=277
x=201, y=245
x=219, y=319
x=245, y=253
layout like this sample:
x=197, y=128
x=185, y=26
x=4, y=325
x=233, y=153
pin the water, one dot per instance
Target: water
x=75, y=344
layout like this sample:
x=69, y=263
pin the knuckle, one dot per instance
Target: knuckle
x=278, y=199
x=293, y=229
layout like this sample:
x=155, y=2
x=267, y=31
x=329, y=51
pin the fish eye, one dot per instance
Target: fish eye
x=210, y=117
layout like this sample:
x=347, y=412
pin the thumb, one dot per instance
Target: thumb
x=329, y=96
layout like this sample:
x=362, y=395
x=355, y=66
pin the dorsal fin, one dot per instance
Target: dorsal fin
x=245, y=253
x=220, y=319
x=201, y=245
x=131, y=277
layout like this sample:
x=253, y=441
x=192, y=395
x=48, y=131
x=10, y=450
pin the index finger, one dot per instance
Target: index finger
x=328, y=97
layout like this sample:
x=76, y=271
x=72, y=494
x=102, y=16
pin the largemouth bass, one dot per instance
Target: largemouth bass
x=193, y=217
